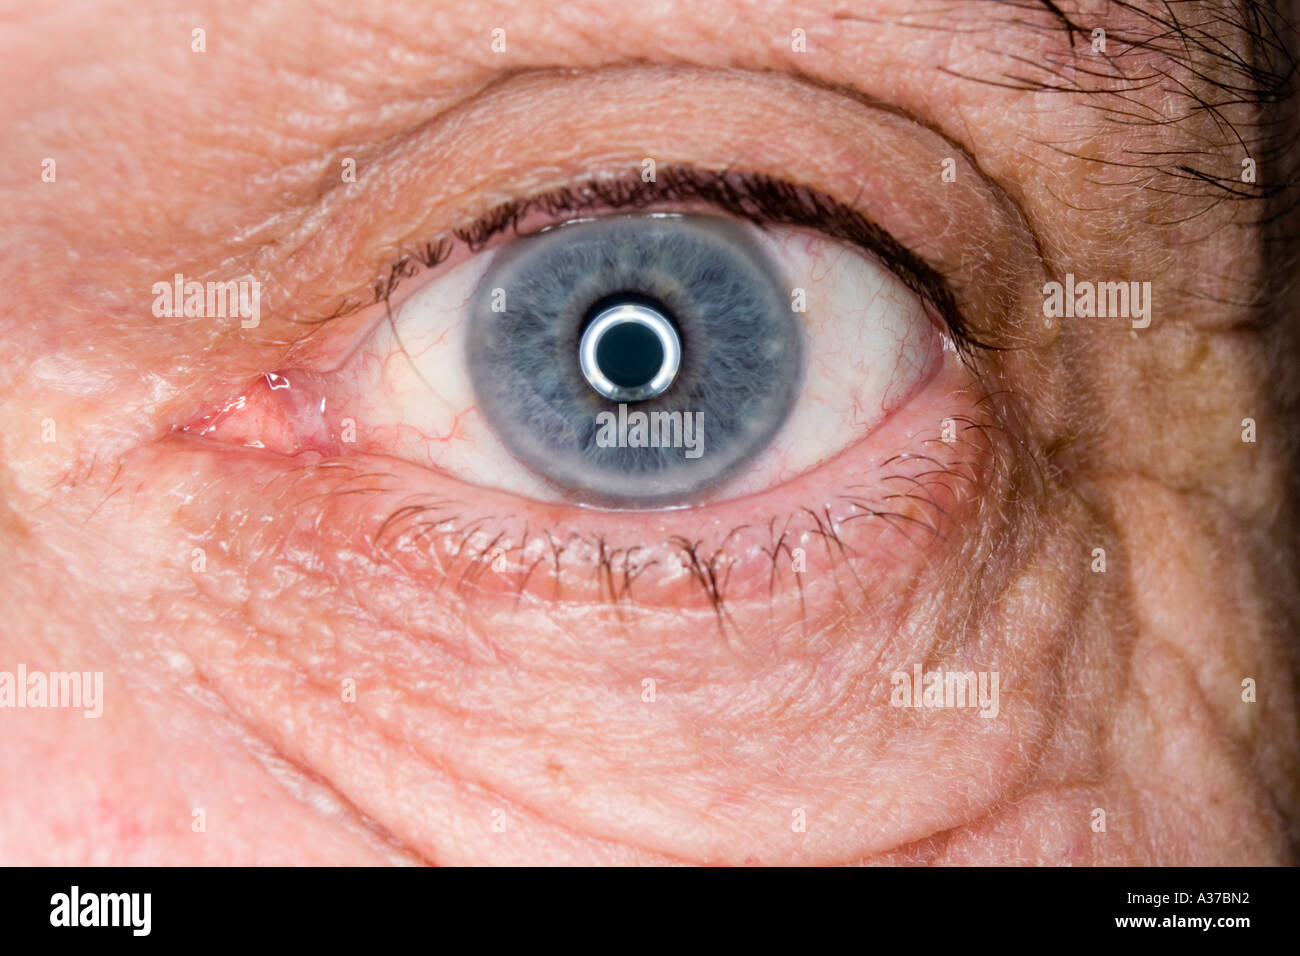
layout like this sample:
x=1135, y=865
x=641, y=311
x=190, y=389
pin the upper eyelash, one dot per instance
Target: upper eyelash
x=756, y=197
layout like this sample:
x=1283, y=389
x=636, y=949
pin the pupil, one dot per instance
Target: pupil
x=629, y=354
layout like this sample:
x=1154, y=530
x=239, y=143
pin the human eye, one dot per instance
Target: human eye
x=802, y=365
x=746, y=352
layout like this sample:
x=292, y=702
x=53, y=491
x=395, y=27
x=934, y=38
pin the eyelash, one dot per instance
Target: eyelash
x=616, y=569
x=758, y=198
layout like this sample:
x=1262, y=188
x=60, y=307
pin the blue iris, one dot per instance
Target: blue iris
x=741, y=355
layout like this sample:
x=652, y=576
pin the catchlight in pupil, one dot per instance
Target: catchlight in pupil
x=630, y=351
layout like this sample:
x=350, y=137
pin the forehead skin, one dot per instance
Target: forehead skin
x=226, y=162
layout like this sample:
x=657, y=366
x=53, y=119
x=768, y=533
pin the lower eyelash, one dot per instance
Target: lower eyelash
x=615, y=570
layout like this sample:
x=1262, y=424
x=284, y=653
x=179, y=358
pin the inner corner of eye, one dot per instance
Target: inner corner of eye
x=645, y=361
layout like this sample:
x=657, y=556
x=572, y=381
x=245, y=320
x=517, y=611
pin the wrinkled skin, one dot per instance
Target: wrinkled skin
x=501, y=721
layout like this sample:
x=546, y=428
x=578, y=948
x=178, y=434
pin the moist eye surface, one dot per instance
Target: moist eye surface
x=634, y=360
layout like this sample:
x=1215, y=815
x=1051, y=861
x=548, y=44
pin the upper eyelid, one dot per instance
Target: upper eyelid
x=761, y=199
x=879, y=160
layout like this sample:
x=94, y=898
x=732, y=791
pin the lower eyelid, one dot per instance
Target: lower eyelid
x=389, y=532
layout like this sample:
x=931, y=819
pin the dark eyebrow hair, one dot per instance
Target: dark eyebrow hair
x=1234, y=62
x=1179, y=63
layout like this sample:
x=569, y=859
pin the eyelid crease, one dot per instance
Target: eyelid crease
x=760, y=199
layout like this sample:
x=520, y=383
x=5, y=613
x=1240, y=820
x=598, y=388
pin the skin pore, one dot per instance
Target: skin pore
x=340, y=683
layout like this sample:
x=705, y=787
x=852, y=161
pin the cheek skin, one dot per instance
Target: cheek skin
x=528, y=681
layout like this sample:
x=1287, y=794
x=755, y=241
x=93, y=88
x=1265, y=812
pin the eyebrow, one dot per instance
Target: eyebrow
x=1172, y=64
x=1218, y=77
x=1215, y=59
x=1234, y=54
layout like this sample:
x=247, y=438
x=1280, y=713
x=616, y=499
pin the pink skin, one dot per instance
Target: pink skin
x=333, y=679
